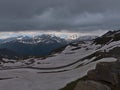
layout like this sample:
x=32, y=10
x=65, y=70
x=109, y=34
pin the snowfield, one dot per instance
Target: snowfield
x=51, y=73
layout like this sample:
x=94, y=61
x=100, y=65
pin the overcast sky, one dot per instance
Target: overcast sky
x=59, y=15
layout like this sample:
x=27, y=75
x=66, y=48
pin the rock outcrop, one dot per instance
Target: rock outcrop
x=108, y=37
x=91, y=85
x=106, y=76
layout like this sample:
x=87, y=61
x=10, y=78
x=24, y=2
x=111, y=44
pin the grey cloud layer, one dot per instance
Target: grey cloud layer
x=59, y=15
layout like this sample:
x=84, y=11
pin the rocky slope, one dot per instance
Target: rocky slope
x=108, y=37
x=106, y=76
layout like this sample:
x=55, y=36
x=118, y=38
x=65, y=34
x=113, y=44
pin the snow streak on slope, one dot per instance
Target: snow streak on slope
x=51, y=73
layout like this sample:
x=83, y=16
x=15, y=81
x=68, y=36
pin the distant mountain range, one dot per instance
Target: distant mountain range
x=30, y=46
x=37, y=46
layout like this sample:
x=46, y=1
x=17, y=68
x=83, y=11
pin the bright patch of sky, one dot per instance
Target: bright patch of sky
x=62, y=34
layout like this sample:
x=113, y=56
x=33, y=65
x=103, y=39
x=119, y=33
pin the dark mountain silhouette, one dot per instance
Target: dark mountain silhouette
x=108, y=37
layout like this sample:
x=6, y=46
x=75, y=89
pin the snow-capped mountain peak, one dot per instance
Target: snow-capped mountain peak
x=35, y=40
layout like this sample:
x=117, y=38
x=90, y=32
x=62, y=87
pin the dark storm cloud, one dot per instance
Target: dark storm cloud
x=59, y=15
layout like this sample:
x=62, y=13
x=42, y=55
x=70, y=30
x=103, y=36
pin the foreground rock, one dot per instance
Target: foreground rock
x=106, y=76
x=91, y=85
